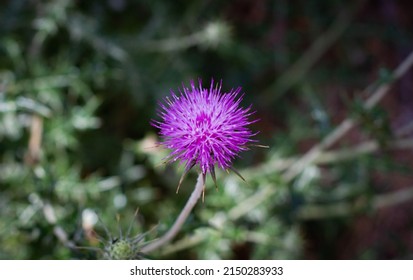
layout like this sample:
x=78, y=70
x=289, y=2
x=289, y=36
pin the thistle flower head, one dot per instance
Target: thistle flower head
x=204, y=127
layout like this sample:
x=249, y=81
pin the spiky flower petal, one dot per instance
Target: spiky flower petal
x=204, y=127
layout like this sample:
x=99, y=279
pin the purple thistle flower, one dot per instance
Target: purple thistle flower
x=204, y=127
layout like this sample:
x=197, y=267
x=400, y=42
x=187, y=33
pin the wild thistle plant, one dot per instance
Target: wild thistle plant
x=125, y=246
x=204, y=127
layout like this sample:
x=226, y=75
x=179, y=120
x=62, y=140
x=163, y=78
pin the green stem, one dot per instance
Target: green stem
x=173, y=231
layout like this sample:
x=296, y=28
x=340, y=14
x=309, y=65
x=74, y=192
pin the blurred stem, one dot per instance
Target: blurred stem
x=361, y=149
x=328, y=157
x=309, y=212
x=211, y=35
x=250, y=203
x=405, y=130
x=173, y=44
x=185, y=243
x=296, y=72
x=348, y=123
x=337, y=209
x=35, y=140
x=173, y=231
x=44, y=83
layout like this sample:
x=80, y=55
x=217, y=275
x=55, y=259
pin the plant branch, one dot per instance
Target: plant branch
x=297, y=71
x=312, y=212
x=309, y=212
x=347, y=124
x=173, y=231
x=328, y=157
x=313, y=155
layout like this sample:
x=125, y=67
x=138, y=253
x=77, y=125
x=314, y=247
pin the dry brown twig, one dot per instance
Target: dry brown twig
x=35, y=140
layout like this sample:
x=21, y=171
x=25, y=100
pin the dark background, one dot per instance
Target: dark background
x=91, y=73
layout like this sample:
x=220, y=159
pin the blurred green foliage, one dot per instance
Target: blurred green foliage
x=80, y=82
